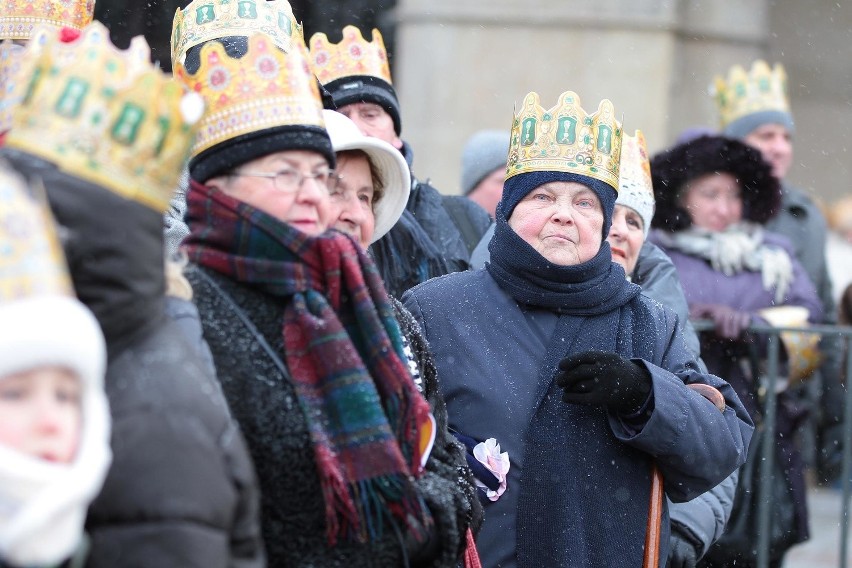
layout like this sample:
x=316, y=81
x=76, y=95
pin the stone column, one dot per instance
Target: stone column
x=462, y=65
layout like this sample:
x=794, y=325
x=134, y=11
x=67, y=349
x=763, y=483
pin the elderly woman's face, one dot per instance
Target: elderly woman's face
x=299, y=197
x=626, y=236
x=562, y=220
x=352, y=197
x=713, y=201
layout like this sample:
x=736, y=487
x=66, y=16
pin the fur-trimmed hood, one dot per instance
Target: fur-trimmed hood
x=673, y=168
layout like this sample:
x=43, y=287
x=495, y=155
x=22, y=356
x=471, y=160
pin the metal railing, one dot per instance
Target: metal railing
x=772, y=333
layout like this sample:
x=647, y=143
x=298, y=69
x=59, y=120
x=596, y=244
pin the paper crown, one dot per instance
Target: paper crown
x=105, y=115
x=11, y=61
x=205, y=20
x=264, y=89
x=761, y=89
x=635, y=188
x=351, y=57
x=20, y=17
x=565, y=139
x=31, y=260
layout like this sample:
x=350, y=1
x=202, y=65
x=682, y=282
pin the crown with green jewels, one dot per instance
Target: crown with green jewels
x=105, y=115
x=205, y=20
x=743, y=93
x=565, y=139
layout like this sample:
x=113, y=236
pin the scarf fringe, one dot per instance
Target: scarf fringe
x=356, y=512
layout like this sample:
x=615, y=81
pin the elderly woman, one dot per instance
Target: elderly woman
x=301, y=329
x=714, y=196
x=579, y=378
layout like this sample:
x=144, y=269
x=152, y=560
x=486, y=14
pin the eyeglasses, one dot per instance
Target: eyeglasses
x=290, y=180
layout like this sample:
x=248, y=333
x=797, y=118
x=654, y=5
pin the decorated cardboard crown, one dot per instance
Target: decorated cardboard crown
x=266, y=88
x=31, y=260
x=635, y=187
x=743, y=93
x=205, y=20
x=565, y=139
x=803, y=355
x=105, y=115
x=11, y=61
x=353, y=56
x=18, y=18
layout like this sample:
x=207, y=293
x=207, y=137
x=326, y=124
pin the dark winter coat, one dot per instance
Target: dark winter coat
x=488, y=350
x=745, y=292
x=181, y=490
x=260, y=391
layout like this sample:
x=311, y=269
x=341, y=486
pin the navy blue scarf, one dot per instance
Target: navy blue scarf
x=584, y=494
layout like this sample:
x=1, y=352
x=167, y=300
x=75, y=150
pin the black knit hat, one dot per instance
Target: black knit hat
x=366, y=89
x=672, y=169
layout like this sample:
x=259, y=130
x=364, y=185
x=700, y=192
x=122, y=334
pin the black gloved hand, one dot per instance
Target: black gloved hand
x=682, y=552
x=597, y=377
x=729, y=323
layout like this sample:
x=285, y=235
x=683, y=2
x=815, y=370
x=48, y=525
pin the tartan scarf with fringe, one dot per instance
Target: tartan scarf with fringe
x=344, y=351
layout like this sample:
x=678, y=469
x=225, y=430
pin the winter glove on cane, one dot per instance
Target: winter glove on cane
x=597, y=377
x=682, y=552
x=729, y=323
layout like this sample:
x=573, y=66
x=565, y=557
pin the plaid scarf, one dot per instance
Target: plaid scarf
x=344, y=351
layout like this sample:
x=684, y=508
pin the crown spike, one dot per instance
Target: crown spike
x=565, y=139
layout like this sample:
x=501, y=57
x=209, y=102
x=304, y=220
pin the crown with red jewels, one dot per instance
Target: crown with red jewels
x=352, y=56
x=18, y=18
x=265, y=88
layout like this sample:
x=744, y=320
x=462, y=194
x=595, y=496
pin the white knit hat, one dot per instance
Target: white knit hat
x=393, y=169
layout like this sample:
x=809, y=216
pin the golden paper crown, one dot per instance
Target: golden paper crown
x=635, y=168
x=565, y=139
x=12, y=58
x=205, y=20
x=106, y=116
x=18, y=18
x=352, y=56
x=744, y=93
x=31, y=260
x=263, y=89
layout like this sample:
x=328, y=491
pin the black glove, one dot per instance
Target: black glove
x=729, y=323
x=682, y=552
x=597, y=377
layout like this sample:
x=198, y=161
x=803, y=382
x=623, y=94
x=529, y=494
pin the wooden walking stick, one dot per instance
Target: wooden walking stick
x=655, y=507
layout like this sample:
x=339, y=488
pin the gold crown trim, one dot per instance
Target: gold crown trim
x=112, y=118
x=743, y=93
x=354, y=55
x=565, y=139
x=31, y=262
x=263, y=89
x=21, y=17
x=205, y=20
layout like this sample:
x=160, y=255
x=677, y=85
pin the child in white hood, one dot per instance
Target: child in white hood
x=54, y=419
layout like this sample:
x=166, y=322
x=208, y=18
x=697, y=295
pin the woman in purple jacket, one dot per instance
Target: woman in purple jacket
x=714, y=196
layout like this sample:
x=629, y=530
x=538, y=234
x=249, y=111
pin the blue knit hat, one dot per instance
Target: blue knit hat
x=519, y=186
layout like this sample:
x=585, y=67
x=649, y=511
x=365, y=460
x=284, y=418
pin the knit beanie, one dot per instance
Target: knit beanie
x=483, y=153
x=517, y=187
x=366, y=89
x=745, y=125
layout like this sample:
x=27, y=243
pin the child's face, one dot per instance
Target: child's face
x=40, y=413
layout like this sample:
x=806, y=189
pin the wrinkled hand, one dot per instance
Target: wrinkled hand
x=682, y=553
x=729, y=323
x=600, y=378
